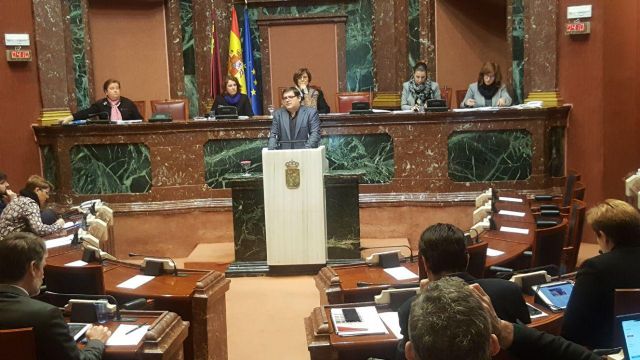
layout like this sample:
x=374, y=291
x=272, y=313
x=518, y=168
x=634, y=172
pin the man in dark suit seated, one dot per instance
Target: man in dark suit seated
x=444, y=253
x=294, y=126
x=451, y=320
x=22, y=261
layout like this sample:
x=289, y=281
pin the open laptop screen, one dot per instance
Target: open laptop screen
x=630, y=329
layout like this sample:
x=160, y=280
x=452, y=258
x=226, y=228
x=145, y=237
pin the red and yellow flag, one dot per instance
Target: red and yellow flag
x=236, y=66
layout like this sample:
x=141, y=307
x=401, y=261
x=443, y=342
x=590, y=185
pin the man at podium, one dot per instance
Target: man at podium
x=294, y=126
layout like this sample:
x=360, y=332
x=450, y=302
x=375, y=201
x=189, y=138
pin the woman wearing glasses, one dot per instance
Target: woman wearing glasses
x=23, y=213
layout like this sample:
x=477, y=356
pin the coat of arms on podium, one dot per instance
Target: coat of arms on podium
x=292, y=174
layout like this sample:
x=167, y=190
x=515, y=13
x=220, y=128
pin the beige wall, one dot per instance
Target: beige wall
x=129, y=44
x=313, y=46
x=468, y=33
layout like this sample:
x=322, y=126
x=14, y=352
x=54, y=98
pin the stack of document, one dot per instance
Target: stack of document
x=368, y=324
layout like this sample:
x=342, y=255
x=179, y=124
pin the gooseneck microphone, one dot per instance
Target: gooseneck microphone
x=389, y=247
x=175, y=267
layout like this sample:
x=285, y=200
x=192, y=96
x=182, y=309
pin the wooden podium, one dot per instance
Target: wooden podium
x=294, y=206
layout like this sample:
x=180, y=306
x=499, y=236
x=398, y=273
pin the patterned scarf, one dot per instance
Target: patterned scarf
x=421, y=92
x=115, y=112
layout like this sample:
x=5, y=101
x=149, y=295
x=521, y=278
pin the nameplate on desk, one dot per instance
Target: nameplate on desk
x=127, y=335
x=509, y=199
x=514, y=230
x=53, y=243
x=401, y=273
x=135, y=282
x=494, y=252
x=511, y=213
x=76, y=263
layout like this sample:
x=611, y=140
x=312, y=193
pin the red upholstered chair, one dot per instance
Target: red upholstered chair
x=460, y=94
x=18, y=344
x=345, y=99
x=178, y=108
x=445, y=94
x=477, y=258
x=142, y=108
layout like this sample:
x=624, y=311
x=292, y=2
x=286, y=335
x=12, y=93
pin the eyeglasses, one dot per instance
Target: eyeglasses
x=288, y=97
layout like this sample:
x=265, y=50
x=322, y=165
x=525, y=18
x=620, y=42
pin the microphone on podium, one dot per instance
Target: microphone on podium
x=154, y=265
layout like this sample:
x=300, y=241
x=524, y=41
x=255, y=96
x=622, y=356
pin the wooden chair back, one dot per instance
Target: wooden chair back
x=579, y=190
x=445, y=94
x=574, y=235
x=178, y=108
x=18, y=344
x=460, y=94
x=477, y=258
x=345, y=99
x=548, y=244
x=88, y=279
x=626, y=301
x=142, y=108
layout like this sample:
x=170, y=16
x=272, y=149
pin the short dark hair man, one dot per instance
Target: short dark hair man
x=6, y=195
x=444, y=252
x=451, y=320
x=22, y=261
x=294, y=126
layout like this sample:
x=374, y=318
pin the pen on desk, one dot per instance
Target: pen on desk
x=135, y=328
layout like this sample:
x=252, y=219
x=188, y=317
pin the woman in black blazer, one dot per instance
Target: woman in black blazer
x=589, y=318
x=111, y=107
x=232, y=96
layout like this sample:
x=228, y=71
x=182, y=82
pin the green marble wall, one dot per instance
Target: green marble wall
x=49, y=164
x=249, y=234
x=484, y=156
x=343, y=221
x=414, y=31
x=372, y=154
x=110, y=169
x=358, y=36
x=78, y=31
x=555, y=163
x=517, y=50
x=188, y=54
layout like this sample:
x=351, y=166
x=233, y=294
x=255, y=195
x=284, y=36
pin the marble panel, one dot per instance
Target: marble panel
x=78, y=33
x=490, y=156
x=249, y=234
x=49, y=164
x=556, y=151
x=188, y=54
x=371, y=153
x=413, y=27
x=222, y=157
x=358, y=36
x=517, y=50
x=110, y=169
x=343, y=221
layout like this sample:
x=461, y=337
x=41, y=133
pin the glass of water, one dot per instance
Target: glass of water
x=271, y=109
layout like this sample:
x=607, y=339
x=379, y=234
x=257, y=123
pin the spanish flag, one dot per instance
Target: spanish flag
x=236, y=66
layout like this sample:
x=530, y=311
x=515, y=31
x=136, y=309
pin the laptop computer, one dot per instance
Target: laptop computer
x=629, y=326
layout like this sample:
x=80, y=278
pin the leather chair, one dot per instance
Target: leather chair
x=460, y=94
x=88, y=279
x=445, y=94
x=178, y=108
x=477, y=259
x=345, y=99
x=574, y=235
x=142, y=108
x=548, y=245
x=18, y=344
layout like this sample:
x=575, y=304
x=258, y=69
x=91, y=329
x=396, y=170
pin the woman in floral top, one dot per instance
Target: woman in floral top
x=23, y=213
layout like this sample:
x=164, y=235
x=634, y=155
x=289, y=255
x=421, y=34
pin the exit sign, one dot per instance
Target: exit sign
x=18, y=55
x=577, y=27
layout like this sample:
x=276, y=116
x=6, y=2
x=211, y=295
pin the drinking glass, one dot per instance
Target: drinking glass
x=246, y=164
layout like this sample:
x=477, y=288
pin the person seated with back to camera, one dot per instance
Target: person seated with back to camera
x=488, y=90
x=294, y=126
x=311, y=96
x=111, y=107
x=233, y=96
x=419, y=89
x=589, y=318
x=451, y=320
x=444, y=253
x=23, y=213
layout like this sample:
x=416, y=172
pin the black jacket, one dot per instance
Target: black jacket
x=533, y=344
x=244, y=105
x=53, y=341
x=589, y=317
x=102, y=109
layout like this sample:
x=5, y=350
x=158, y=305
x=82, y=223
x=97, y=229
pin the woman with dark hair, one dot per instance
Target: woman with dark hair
x=419, y=89
x=311, y=96
x=488, y=90
x=23, y=213
x=111, y=107
x=232, y=96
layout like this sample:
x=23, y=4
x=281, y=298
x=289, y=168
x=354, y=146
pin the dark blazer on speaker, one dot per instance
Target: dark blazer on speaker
x=102, y=109
x=589, y=317
x=307, y=129
x=53, y=341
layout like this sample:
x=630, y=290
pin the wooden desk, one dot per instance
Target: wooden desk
x=198, y=297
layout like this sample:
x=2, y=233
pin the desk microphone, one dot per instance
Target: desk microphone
x=387, y=247
x=109, y=298
x=175, y=267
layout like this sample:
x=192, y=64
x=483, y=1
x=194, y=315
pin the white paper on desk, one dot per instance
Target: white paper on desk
x=494, y=252
x=121, y=338
x=381, y=111
x=392, y=321
x=514, y=230
x=68, y=224
x=509, y=199
x=401, y=273
x=135, y=282
x=511, y=213
x=57, y=242
x=76, y=263
x=403, y=112
x=370, y=322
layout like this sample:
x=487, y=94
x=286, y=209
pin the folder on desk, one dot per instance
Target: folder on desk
x=369, y=324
